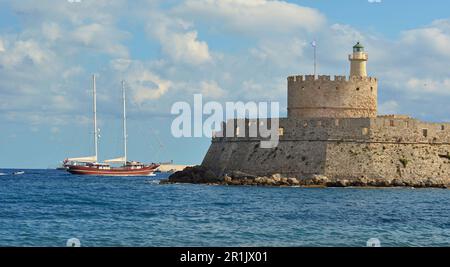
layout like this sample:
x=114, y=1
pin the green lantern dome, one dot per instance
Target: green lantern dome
x=358, y=47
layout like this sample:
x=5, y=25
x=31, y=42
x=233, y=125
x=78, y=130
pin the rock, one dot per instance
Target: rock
x=342, y=183
x=227, y=179
x=398, y=183
x=196, y=174
x=293, y=181
x=362, y=181
x=382, y=183
x=276, y=177
x=236, y=182
x=242, y=175
x=319, y=180
x=259, y=180
x=429, y=182
x=270, y=182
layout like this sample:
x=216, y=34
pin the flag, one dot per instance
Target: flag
x=314, y=43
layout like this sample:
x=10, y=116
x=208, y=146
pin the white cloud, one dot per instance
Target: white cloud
x=147, y=86
x=51, y=31
x=2, y=47
x=212, y=89
x=186, y=47
x=104, y=11
x=72, y=71
x=254, y=16
x=434, y=38
x=61, y=103
x=419, y=65
x=178, y=43
x=101, y=37
x=427, y=86
x=28, y=50
x=120, y=64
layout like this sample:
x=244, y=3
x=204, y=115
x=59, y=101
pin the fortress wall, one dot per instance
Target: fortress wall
x=309, y=129
x=412, y=161
x=290, y=158
x=385, y=129
x=418, y=162
x=381, y=129
x=340, y=149
x=337, y=160
x=349, y=160
x=327, y=98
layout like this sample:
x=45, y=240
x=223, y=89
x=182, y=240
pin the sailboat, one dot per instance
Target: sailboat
x=91, y=166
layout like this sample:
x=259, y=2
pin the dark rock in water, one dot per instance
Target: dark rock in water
x=196, y=175
x=341, y=183
x=202, y=175
x=383, y=183
x=398, y=183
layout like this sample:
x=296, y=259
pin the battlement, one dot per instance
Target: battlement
x=328, y=78
x=381, y=129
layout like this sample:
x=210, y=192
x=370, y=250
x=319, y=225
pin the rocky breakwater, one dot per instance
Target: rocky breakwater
x=201, y=175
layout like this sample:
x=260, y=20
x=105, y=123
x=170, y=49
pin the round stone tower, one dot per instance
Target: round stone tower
x=340, y=97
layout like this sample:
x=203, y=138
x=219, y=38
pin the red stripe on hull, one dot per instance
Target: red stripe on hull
x=81, y=170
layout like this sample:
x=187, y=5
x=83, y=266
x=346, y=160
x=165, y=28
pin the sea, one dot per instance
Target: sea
x=45, y=208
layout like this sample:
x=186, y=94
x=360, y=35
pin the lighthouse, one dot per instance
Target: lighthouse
x=358, y=61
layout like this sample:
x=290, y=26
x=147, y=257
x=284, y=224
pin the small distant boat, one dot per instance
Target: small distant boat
x=19, y=173
x=91, y=166
x=2, y=174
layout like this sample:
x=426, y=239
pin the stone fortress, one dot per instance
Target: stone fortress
x=332, y=137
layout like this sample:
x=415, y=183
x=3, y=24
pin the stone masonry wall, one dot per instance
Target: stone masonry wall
x=379, y=148
x=325, y=98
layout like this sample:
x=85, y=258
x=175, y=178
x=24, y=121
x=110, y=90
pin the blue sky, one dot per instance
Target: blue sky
x=229, y=50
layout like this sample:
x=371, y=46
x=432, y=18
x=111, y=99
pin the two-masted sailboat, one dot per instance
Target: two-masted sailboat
x=91, y=166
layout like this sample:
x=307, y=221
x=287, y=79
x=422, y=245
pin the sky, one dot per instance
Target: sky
x=167, y=51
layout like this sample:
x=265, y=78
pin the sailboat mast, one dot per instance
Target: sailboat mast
x=125, y=136
x=94, y=88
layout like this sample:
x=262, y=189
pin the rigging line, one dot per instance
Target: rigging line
x=157, y=145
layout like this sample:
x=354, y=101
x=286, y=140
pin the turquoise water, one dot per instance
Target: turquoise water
x=47, y=207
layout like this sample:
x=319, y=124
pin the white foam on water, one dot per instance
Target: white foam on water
x=73, y=243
